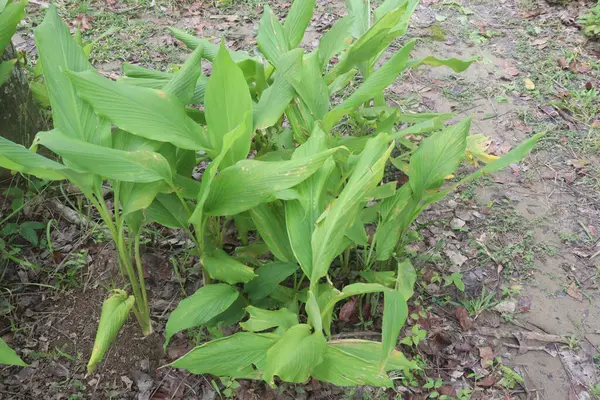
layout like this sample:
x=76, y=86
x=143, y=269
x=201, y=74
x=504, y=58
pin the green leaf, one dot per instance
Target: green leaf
x=295, y=355
x=369, y=45
x=199, y=308
x=6, y=68
x=148, y=113
x=276, y=98
x=386, y=278
x=371, y=352
x=345, y=369
x=272, y=40
x=268, y=278
x=183, y=84
x=302, y=213
x=361, y=11
x=456, y=64
x=228, y=105
x=17, y=158
x=341, y=82
x=373, y=85
x=40, y=93
x=269, y=220
x=313, y=312
x=407, y=276
x=437, y=157
x=343, y=212
x=9, y=357
x=210, y=49
x=168, y=211
x=249, y=183
x=261, y=320
x=513, y=156
x=29, y=234
x=297, y=21
x=221, y=266
x=310, y=86
x=130, y=166
x=395, y=312
x=335, y=40
x=58, y=52
x=115, y=311
x=237, y=356
x=10, y=17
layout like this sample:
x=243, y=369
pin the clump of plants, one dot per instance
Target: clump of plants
x=299, y=204
x=591, y=22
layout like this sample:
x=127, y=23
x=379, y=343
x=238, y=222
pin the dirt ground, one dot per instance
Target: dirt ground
x=528, y=235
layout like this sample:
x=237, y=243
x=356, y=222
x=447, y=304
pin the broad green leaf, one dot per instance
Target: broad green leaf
x=199, y=308
x=3, y=5
x=138, y=196
x=6, y=68
x=352, y=290
x=261, y=320
x=136, y=71
x=456, y=64
x=369, y=45
x=335, y=40
x=437, y=157
x=228, y=105
x=268, y=279
x=313, y=312
x=373, y=85
x=342, y=213
x=10, y=17
x=198, y=217
x=395, y=312
x=302, y=213
x=276, y=98
x=17, y=158
x=40, y=93
x=183, y=84
x=310, y=86
x=301, y=120
x=221, y=266
x=386, y=278
x=513, y=156
x=271, y=39
x=115, y=311
x=361, y=11
x=152, y=114
x=341, y=81
x=130, y=166
x=382, y=191
x=237, y=356
x=210, y=49
x=249, y=183
x=345, y=369
x=58, y=52
x=10, y=357
x=407, y=276
x=167, y=210
x=269, y=220
x=371, y=352
x=397, y=214
x=295, y=355
x=386, y=7
x=159, y=83
x=297, y=21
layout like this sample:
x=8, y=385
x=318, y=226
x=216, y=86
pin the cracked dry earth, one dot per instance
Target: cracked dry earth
x=533, y=226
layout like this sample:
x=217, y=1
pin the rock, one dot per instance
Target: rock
x=456, y=258
x=457, y=223
x=505, y=307
x=465, y=215
x=144, y=384
x=58, y=370
x=452, y=204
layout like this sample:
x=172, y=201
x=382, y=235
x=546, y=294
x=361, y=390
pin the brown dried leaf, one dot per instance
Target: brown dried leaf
x=574, y=292
x=463, y=317
x=349, y=311
x=486, y=355
x=488, y=381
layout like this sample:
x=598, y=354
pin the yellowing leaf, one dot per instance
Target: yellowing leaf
x=529, y=85
x=477, y=146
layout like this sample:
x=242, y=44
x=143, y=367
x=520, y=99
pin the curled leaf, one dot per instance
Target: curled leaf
x=477, y=147
x=115, y=310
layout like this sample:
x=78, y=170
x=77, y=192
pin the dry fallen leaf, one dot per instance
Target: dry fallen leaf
x=529, y=85
x=463, y=317
x=487, y=356
x=574, y=292
x=349, y=311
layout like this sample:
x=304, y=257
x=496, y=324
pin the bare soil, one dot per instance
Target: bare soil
x=534, y=225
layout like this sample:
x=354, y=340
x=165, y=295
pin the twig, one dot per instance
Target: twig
x=529, y=335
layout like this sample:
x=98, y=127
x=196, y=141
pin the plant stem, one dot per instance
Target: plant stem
x=142, y=281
